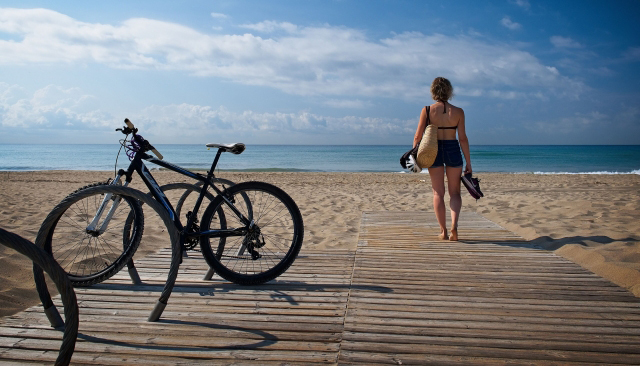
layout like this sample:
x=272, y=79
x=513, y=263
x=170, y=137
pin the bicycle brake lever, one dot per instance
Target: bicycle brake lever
x=127, y=130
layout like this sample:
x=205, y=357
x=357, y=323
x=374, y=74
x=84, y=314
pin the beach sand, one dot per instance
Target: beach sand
x=593, y=220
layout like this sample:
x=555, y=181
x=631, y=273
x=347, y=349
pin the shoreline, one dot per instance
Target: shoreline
x=589, y=219
x=288, y=170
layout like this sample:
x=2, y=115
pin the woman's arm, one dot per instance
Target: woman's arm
x=422, y=124
x=464, y=143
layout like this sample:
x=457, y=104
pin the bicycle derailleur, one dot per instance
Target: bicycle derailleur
x=254, y=239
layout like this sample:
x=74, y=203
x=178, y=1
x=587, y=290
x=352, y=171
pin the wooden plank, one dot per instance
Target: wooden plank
x=494, y=352
x=298, y=318
x=509, y=334
x=372, y=357
x=402, y=297
x=493, y=299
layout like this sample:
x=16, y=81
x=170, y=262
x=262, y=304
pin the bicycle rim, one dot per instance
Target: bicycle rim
x=269, y=247
x=92, y=256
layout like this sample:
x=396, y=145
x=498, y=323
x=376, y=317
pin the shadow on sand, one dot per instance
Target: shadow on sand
x=551, y=244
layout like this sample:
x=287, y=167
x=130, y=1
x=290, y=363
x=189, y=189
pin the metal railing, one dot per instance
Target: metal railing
x=45, y=262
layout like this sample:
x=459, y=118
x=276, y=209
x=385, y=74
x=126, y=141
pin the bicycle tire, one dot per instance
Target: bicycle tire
x=276, y=217
x=103, y=255
x=126, y=234
x=188, y=188
x=198, y=186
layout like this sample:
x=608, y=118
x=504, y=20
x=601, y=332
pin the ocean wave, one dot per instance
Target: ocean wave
x=637, y=171
x=271, y=170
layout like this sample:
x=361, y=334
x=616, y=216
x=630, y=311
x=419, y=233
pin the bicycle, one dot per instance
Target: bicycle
x=93, y=233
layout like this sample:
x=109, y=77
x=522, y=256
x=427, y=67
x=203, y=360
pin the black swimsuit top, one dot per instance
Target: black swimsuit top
x=445, y=111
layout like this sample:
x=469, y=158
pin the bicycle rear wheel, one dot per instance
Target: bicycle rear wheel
x=88, y=250
x=272, y=236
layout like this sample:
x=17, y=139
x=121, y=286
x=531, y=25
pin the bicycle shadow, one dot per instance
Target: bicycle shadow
x=277, y=289
x=267, y=339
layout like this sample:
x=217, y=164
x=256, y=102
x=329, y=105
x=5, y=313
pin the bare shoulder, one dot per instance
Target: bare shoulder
x=456, y=111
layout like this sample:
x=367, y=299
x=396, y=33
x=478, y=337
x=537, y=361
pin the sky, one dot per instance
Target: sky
x=341, y=72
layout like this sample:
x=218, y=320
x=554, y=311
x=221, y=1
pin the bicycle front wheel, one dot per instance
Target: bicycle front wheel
x=93, y=235
x=272, y=230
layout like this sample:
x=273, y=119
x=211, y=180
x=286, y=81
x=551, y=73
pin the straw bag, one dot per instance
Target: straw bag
x=428, y=147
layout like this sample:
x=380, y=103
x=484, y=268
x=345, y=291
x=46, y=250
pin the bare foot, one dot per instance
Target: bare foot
x=454, y=235
x=443, y=235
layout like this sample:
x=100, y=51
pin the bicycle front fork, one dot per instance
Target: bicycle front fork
x=91, y=228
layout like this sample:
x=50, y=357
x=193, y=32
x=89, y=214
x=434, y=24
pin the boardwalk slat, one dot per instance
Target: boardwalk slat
x=402, y=297
x=493, y=299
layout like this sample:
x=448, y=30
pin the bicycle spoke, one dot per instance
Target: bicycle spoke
x=82, y=253
x=265, y=251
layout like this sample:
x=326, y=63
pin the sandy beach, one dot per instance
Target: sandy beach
x=592, y=220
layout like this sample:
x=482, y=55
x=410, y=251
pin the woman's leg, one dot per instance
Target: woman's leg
x=437, y=183
x=455, y=201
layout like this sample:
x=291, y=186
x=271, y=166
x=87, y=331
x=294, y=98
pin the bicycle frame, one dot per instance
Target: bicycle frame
x=138, y=166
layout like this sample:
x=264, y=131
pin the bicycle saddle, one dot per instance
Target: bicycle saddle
x=236, y=148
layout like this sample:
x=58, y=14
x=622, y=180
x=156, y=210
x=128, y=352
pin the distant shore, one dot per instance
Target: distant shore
x=590, y=219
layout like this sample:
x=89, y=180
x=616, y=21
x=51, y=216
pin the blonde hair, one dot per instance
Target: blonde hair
x=441, y=89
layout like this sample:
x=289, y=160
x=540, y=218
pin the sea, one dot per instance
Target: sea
x=531, y=159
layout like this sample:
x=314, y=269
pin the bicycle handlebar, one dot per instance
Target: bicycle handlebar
x=146, y=145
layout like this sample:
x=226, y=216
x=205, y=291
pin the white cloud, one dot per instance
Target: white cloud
x=522, y=3
x=347, y=103
x=50, y=106
x=505, y=95
x=219, y=16
x=507, y=22
x=632, y=54
x=570, y=124
x=564, y=42
x=194, y=120
x=55, y=108
x=324, y=60
x=271, y=26
x=602, y=71
x=9, y=94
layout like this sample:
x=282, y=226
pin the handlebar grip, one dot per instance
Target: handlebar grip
x=128, y=123
x=157, y=153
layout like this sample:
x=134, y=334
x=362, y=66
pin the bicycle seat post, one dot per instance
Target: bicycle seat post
x=215, y=162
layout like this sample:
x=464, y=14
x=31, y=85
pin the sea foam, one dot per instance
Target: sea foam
x=637, y=171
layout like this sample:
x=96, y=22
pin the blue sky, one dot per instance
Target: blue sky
x=318, y=72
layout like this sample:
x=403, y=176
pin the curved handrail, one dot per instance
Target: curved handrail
x=45, y=262
x=176, y=247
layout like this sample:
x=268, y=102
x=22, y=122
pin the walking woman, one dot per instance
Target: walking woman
x=449, y=119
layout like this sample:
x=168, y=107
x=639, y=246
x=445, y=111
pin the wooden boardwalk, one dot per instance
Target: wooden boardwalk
x=402, y=297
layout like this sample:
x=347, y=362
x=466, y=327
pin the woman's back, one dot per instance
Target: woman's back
x=447, y=117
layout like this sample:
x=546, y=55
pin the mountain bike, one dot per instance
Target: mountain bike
x=249, y=233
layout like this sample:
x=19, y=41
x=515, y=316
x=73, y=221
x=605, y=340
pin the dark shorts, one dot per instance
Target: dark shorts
x=448, y=154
